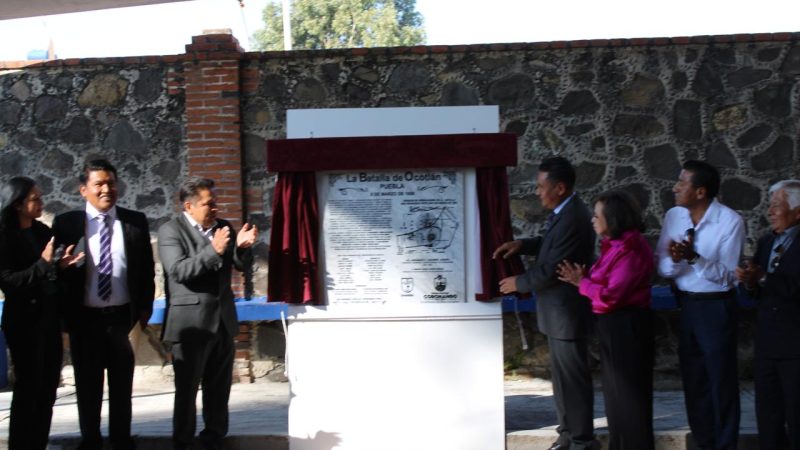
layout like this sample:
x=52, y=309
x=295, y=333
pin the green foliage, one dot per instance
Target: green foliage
x=322, y=24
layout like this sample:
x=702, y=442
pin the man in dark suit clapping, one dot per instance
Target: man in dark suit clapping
x=563, y=315
x=774, y=278
x=105, y=298
x=198, y=252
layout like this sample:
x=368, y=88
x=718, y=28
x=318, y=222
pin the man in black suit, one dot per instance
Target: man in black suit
x=106, y=297
x=773, y=277
x=563, y=315
x=197, y=253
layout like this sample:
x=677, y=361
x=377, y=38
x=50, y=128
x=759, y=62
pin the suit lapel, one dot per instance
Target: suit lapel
x=198, y=240
x=127, y=230
x=77, y=234
x=128, y=242
x=79, y=224
x=764, y=260
x=563, y=213
x=556, y=219
x=791, y=256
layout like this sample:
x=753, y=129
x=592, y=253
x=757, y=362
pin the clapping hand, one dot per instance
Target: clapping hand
x=70, y=260
x=749, y=273
x=247, y=236
x=681, y=250
x=47, y=253
x=220, y=240
x=571, y=273
x=66, y=260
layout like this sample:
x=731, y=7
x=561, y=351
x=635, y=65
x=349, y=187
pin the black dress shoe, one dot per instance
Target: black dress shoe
x=558, y=446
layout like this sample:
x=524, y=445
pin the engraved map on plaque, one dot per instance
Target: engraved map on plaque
x=394, y=236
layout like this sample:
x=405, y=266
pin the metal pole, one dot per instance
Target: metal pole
x=287, y=26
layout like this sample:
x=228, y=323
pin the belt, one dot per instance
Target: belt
x=108, y=310
x=706, y=295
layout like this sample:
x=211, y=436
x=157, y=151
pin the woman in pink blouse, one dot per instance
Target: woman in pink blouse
x=618, y=285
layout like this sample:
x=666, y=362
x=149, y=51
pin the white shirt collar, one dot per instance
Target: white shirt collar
x=792, y=230
x=194, y=223
x=92, y=212
x=788, y=235
x=191, y=220
x=563, y=204
x=712, y=213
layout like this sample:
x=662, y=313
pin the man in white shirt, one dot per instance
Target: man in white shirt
x=699, y=249
x=104, y=299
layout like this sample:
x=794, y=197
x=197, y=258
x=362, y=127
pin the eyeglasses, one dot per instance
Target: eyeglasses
x=776, y=261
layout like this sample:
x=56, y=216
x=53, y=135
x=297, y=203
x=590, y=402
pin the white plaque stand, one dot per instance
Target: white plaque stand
x=396, y=375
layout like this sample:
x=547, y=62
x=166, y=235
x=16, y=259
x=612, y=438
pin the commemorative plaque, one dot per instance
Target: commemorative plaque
x=394, y=236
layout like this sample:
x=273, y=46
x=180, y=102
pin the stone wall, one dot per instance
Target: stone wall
x=626, y=112
x=53, y=119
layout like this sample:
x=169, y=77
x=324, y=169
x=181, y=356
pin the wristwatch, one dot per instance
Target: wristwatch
x=693, y=259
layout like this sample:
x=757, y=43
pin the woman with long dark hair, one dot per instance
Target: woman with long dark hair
x=30, y=313
x=618, y=285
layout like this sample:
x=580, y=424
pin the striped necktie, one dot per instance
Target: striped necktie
x=104, y=268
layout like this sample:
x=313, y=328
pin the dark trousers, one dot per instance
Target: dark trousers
x=777, y=383
x=626, y=356
x=100, y=341
x=707, y=353
x=208, y=361
x=37, y=354
x=572, y=392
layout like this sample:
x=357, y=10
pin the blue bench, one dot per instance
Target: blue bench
x=254, y=309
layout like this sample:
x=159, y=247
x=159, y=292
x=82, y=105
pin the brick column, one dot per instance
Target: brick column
x=213, y=117
x=211, y=71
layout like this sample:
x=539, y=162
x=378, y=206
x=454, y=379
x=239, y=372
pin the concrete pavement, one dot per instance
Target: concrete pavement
x=259, y=414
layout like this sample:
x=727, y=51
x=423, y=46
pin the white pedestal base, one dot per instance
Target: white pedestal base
x=399, y=383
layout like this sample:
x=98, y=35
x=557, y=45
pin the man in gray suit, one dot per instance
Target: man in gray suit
x=563, y=315
x=197, y=253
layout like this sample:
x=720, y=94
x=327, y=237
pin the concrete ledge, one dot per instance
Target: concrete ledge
x=516, y=440
x=664, y=440
x=165, y=443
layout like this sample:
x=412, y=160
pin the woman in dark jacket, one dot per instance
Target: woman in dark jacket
x=30, y=317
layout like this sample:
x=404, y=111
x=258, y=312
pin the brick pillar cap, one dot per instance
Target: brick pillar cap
x=214, y=41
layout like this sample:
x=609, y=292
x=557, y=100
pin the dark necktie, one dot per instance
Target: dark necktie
x=549, y=222
x=206, y=233
x=104, y=267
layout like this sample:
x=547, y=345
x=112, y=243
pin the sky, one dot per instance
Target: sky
x=167, y=28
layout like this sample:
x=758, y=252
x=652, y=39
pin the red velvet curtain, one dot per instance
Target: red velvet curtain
x=294, y=240
x=495, y=229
